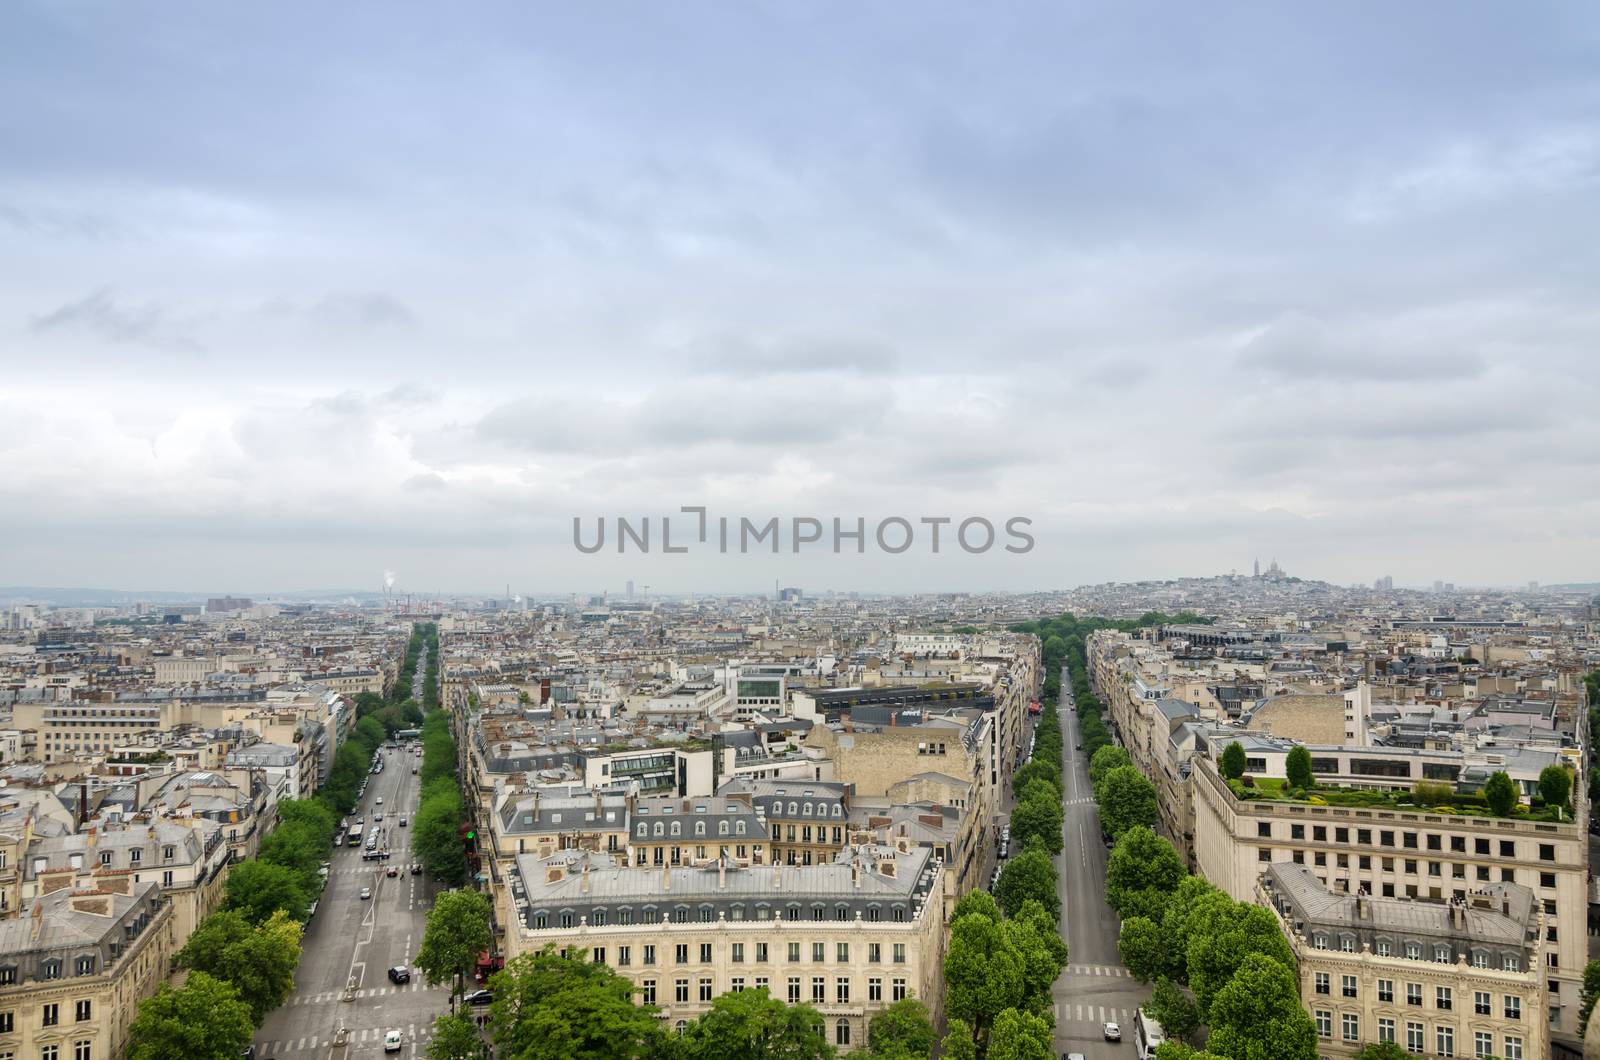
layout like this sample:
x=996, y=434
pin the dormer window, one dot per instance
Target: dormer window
x=50, y=969
x=135, y=855
x=105, y=857
x=1320, y=941
x=1413, y=951
x=84, y=965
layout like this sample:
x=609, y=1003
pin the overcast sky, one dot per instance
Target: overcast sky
x=291, y=294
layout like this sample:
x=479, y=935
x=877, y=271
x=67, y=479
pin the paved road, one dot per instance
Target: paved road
x=351, y=937
x=1095, y=988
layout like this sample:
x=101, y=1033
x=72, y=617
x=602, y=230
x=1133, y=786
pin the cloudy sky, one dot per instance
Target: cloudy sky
x=291, y=294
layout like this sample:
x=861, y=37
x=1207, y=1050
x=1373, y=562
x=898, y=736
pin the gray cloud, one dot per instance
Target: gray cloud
x=100, y=314
x=1300, y=347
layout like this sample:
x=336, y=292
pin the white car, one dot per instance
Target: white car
x=366, y=892
x=380, y=800
x=391, y=1042
x=1113, y=1032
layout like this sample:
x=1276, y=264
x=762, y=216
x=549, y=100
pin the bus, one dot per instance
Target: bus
x=354, y=836
x=1147, y=1035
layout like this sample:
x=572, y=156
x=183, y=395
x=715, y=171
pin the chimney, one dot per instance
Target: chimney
x=83, y=802
x=722, y=874
x=583, y=885
x=666, y=875
x=855, y=874
x=37, y=921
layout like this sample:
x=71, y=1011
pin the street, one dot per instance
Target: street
x=353, y=939
x=1095, y=988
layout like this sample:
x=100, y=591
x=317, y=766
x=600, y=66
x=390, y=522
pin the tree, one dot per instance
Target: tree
x=1104, y=761
x=1501, y=793
x=1038, y=816
x=1233, y=761
x=1555, y=785
x=983, y=976
x=1222, y=940
x=436, y=831
x=456, y=932
x=904, y=1029
x=958, y=1042
x=205, y=1020
x=1382, y=1051
x=259, y=888
x=1177, y=1013
x=1029, y=875
x=1591, y=991
x=979, y=902
x=552, y=1006
x=1297, y=767
x=1127, y=800
x=1033, y=938
x=1143, y=946
x=1257, y=1016
x=1020, y=1036
x=455, y=1038
x=1141, y=874
x=257, y=961
x=1036, y=769
x=752, y=1024
x=1175, y=1050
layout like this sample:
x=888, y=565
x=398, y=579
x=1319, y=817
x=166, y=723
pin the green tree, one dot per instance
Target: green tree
x=1193, y=901
x=457, y=931
x=1141, y=874
x=1221, y=942
x=1037, y=769
x=1233, y=761
x=903, y=1030
x=1104, y=761
x=1032, y=937
x=1555, y=785
x=979, y=902
x=1127, y=800
x=1176, y=1050
x=1020, y=1036
x=553, y=1006
x=752, y=1024
x=1591, y=991
x=983, y=976
x=1382, y=1051
x=958, y=1042
x=1257, y=1015
x=436, y=832
x=258, y=961
x=257, y=889
x=1038, y=816
x=204, y=1020
x=1501, y=793
x=1177, y=1013
x=369, y=731
x=1297, y=767
x=1029, y=875
x=1143, y=946
x=455, y=1038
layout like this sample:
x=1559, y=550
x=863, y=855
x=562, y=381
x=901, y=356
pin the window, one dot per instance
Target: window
x=1386, y=990
x=794, y=951
x=1442, y=999
x=705, y=990
x=49, y=1052
x=841, y=1032
x=1413, y=1037
x=736, y=984
x=842, y=990
x=624, y=956
x=1441, y=954
x=8, y=1022
x=1482, y=1044
x=680, y=991
x=1511, y=963
x=875, y=989
x=819, y=990
x=1324, y=1023
x=1482, y=1004
x=761, y=953
x=737, y=956
x=819, y=952
x=842, y=952
x=1385, y=1030
x=1322, y=982
x=1385, y=948
x=1547, y=851
x=680, y=953
x=705, y=953
x=1513, y=1048
x=1347, y=984
x=898, y=990
x=1349, y=1027
x=650, y=953
x=599, y=956
x=794, y=990
x=1413, y=993
x=82, y=1051
x=83, y=1011
x=50, y=969
x=1513, y=1007
x=648, y=989
x=874, y=952
x=1444, y=1039
x=52, y=1014
x=899, y=953
x=1413, y=951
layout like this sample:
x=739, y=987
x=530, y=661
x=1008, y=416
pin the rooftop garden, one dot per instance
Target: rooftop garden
x=1499, y=798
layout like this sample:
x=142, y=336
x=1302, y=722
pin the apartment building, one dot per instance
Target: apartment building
x=1464, y=978
x=75, y=967
x=1402, y=853
x=807, y=820
x=849, y=937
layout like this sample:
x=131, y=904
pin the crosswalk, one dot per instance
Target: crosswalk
x=1114, y=970
x=1084, y=801
x=336, y=995
x=358, y=1037
x=1091, y=1013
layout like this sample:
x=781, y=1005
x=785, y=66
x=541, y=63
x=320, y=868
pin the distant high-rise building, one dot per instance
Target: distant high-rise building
x=1533, y=587
x=1383, y=584
x=1438, y=586
x=1258, y=567
x=228, y=603
x=630, y=588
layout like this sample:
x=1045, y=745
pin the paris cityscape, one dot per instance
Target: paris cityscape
x=790, y=532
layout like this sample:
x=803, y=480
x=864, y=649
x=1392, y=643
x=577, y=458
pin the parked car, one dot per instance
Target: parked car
x=400, y=974
x=479, y=997
x=366, y=892
x=391, y=1042
x=1113, y=1032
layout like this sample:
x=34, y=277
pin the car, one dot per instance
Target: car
x=1113, y=1032
x=366, y=892
x=1080, y=746
x=377, y=817
x=402, y=820
x=416, y=868
x=400, y=974
x=1071, y=1056
x=392, y=870
x=478, y=997
x=392, y=1042
x=413, y=770
x=380, y=800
